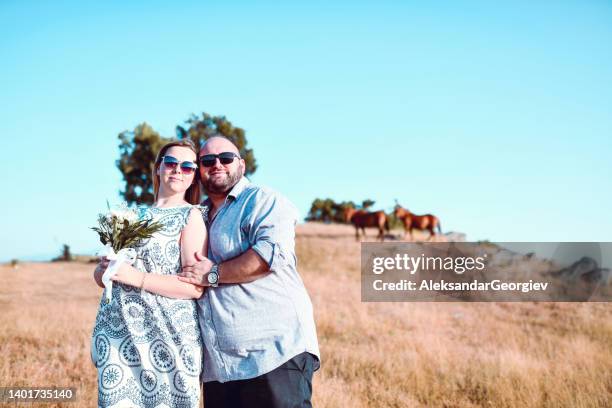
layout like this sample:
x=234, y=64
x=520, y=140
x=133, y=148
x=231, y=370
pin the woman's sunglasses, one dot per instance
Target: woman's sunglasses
x=209, y=160
x=187, y=167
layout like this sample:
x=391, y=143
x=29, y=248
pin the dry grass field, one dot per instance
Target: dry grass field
x=374, y=354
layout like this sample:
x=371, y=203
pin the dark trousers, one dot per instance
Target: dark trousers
x=287, y=386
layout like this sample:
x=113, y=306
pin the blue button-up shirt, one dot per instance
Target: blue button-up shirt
x=252, y=328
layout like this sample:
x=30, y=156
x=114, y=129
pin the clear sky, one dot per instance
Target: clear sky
x=495, y=117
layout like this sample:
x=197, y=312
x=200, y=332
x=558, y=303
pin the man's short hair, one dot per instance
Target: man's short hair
x=220, y=136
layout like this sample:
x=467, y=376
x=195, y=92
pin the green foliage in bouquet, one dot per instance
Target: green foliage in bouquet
x=123, y=233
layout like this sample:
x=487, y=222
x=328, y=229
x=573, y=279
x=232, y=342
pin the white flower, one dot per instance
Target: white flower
x=122, y=215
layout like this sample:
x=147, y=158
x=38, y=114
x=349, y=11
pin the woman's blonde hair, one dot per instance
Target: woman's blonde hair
x=192, y=195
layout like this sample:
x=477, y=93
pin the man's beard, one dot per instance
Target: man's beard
x=224, y=185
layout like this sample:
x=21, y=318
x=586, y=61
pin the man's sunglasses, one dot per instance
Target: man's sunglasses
x=187, y=167
x=209, y=160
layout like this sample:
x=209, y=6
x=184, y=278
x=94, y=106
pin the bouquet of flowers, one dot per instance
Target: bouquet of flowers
x=120, y=231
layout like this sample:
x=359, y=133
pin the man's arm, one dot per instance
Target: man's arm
x=246, y=267
x=271, y=230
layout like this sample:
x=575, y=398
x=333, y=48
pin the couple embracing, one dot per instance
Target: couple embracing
x=213, y=297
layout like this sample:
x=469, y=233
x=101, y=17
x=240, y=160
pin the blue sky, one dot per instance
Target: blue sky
x=495, y=117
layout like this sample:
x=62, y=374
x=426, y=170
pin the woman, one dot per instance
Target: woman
x=146, y=343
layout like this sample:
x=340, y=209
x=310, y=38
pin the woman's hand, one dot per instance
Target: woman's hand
x=99, y=271
x=128, y=275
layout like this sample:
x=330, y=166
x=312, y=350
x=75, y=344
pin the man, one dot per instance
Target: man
x=260, y=344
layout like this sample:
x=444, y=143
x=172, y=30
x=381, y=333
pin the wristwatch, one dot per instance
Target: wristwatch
x=213, y=276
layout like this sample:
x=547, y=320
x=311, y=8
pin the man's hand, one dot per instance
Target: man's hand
x=196, y=274
x=99, y=271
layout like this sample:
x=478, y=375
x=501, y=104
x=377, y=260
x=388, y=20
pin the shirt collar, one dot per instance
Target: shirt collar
x=238, y=188
x=234, y=192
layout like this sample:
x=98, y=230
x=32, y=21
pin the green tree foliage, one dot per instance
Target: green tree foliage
x=327, y=210
x=200, y=128
x=321, y=210
x=138, y=149
x=365, y=204
x=65, y=254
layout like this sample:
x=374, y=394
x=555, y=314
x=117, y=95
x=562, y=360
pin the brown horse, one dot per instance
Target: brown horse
x=362, y=219
x=421, y=222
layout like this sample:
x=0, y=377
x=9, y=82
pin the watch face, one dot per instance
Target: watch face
x=213, y=277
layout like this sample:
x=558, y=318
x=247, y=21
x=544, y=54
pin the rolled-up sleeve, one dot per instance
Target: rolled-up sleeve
x=271, y=229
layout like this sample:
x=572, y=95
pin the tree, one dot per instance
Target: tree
x=314, y=212
x=138, y=149
x=201, y=128
x=365, y=204
x=322, y=210
x=65, y=254
x=327, y=210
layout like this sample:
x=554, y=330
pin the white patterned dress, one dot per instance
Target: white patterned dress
x=147, y=347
